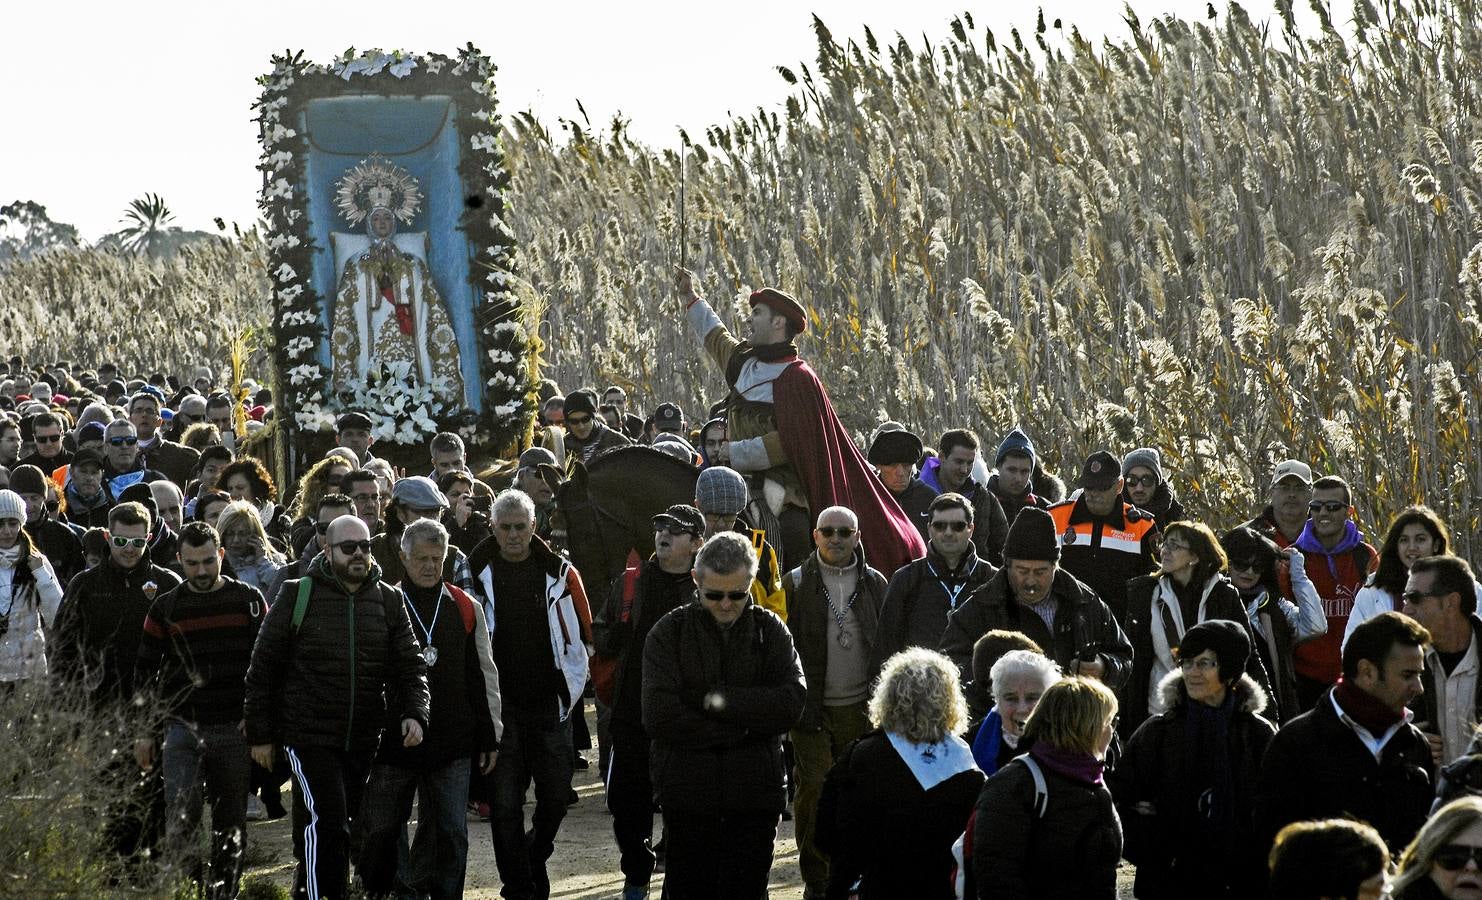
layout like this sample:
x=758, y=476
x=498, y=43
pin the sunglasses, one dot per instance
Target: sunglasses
x=733, y=596
x=350, y=547
x=676, y=531
x=578, y=420
x=122, y=441
x=48, y=438
x=843, y=531
x=1414, y=597
x=1142, y=480
x=1326, y=505
x=1250, y=565
x=1454, y=857
x=136, y=543
x=941, y=525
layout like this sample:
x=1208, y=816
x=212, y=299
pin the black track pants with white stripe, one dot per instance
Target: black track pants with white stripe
x=327, y=784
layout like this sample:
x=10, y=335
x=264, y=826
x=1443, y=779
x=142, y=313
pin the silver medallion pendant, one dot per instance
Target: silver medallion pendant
x=845, y=640
x=430, y=655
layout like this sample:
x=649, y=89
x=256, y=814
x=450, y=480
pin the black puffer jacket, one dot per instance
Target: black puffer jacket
x=327, y=685
x=725, y=756
x=1224, y=603
x=1070, y=851
x=813, y=627
x=1160, y=767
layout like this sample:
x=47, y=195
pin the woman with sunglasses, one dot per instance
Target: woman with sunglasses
x=1444, y=862
x=1184, y=783
x=1189, y=588
x=1417, y=532
x=1280, y=618
x=29, y=596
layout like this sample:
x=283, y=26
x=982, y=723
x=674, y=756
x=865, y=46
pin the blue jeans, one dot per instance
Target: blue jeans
x=543, y=755
x=206, y=763
x=435, y=864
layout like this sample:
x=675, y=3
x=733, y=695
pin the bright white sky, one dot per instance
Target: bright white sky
x=105, y=101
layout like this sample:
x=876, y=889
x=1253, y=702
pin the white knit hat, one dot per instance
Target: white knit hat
x=12, y=506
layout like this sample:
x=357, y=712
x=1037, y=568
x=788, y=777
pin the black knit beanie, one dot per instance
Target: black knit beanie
x=1032, y=537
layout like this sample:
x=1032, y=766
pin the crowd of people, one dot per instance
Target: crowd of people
x=957, y=677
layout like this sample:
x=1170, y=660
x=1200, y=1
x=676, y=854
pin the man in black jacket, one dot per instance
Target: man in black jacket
x=833, y=611
x=1033, y=595
x=99, y=626
x=465, y=723
x=637, y=601
x=721, y=685
x=1355, y=754
x=924, y=592
x=894, y=452
x=333, y=644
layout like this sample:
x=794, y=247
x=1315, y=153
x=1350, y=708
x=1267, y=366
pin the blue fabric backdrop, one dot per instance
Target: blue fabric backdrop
x=419, y=135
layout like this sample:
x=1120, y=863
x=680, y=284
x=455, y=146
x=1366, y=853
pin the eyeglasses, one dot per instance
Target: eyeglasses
x=675, y=531
x=578, y=420
x=1175, y=545
x=733, y=596
x=1454, y=857
x=1326, y=506
x=121, y=441
x=942, y=525
x=843, y=531
x=48, y=438
x=1142, y=480
x=136, y=543
x=349, y=548
x=1203, y=665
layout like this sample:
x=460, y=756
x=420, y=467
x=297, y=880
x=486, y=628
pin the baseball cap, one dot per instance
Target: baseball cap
x=1289, y=468
x=668, y=416
x=681, y=515
x=1101, y=471
x=536, y=456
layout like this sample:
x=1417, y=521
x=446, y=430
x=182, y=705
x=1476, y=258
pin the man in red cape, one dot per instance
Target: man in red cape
x=784, y=436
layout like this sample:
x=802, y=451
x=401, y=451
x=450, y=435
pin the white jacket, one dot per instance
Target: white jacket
x=567, y=629
x=30, y=609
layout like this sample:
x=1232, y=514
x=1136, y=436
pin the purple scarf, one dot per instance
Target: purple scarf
x=1072, y=764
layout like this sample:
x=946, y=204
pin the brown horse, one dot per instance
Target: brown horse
x=607, y=509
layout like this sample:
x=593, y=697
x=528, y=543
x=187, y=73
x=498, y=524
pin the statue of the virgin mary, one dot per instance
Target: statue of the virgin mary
x=387, y=309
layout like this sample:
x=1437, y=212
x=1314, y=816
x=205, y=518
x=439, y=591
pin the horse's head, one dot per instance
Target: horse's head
x=594, y=537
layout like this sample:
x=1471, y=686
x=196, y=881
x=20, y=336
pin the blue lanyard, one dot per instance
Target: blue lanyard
x=952, y=595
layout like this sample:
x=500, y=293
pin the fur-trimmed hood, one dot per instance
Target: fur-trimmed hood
x=1249, y=695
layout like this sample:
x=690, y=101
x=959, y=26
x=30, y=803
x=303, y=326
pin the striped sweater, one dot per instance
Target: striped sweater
x=195, y=650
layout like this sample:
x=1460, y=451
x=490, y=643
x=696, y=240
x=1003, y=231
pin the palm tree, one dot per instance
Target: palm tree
x=146, y=219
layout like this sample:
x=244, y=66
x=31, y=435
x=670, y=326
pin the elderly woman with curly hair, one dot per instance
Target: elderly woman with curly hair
x=897, y=798
x=1444, y=862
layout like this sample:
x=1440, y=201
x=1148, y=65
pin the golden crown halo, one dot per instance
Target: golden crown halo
x=374, y=183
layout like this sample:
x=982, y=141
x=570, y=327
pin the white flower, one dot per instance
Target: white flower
x=298, y=345
x=280, y=188
x=290, y=294
x=511, y=326
x=435, y=66
x=402, y=68
x=506, y=410
x=280, y=133
x=303, y=374
x=285, y=272
x=484, y=141
x=299, y=317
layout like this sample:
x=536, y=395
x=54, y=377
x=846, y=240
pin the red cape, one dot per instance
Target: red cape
x=834, y=473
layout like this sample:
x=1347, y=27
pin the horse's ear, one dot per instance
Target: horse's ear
x=553, y=478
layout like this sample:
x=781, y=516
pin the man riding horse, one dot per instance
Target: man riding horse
x=783, y=434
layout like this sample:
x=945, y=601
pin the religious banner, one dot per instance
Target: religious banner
x=384, y=193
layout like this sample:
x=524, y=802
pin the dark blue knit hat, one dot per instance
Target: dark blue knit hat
x=1015, y=441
